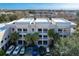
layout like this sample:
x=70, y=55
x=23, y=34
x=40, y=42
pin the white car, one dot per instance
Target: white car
x=48, y=52
x=16, y=50
x=22, y=51
x=10, y=50
x=47, y=49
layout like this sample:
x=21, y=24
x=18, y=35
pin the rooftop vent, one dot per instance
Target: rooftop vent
x=50, y=18
x=14, y=23
x=34, y=18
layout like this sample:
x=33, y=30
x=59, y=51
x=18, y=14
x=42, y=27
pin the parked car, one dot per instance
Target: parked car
x=47, y=52
x=22, y=51
x=10, y=50
x=16, y=50
x=35, y=51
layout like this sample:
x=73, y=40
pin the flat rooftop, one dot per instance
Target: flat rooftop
x=24, y=20
x=41, y=20
x=60, y=20
x=28, y=20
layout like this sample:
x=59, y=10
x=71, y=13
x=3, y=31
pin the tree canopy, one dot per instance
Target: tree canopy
x=2, y=52
x=67, y=46
x=31, y=37
x=7, y=17
x=14, y=37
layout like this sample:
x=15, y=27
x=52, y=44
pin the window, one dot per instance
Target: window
x=20, y=42
x=8, y=36
x=40, y=42
x=19, y=29
x=5, y=38
x=74, y=28
x=20, y=36
x=40, y=36
x=45, y=30
x=39, y=30
x=66, y=30
x=24, y=30
x=2, y=41
x=64, y=35
x=45, y=42
x=12, y=29
x=45, y=36
x=60, y=35
x=23, y=35
x=59, y=30
x=6, y=45
x=33, y=29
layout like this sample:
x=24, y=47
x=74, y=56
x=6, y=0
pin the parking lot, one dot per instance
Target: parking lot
x=25, y=51
x=20, y=51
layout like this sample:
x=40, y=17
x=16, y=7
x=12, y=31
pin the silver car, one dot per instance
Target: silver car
x=16, y=50
x=10, y=50
x=22, y=51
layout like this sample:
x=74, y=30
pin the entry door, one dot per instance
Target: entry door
x=20, y=42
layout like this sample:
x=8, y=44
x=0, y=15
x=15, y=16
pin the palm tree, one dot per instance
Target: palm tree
x=35, y=36
x=53, y=36
x=14, y=37
x=51, y=33
x=28, y=38
x=31, y=38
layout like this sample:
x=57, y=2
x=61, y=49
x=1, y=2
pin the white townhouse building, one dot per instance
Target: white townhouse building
x=30, y=25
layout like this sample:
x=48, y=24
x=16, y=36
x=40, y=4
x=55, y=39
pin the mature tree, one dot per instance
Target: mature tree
x=12, y=17
x=7, y=17
x=2, y=18
x=67, y=46
x=42, y=50
x=14, y=37
x=2, y=53
x=32, y=37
